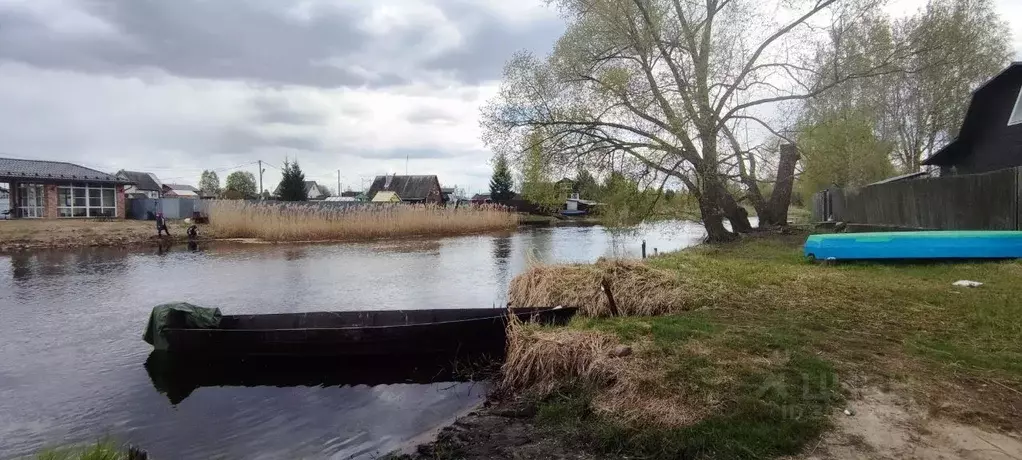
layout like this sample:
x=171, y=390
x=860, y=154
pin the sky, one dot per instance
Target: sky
x=360, y=87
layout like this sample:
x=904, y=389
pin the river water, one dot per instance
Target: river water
x=71, y=353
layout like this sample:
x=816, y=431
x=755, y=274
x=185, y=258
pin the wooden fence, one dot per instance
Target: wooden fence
x=988, y=201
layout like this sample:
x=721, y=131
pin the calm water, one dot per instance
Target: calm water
x=71, y=354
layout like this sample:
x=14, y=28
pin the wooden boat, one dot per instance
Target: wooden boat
x=445, y=332
x=915, y=245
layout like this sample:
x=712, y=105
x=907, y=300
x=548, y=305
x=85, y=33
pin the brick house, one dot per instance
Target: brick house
x=53, y=189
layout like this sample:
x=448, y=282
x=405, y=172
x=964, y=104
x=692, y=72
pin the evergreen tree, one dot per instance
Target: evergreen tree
x=500, y=184
x=292, y=184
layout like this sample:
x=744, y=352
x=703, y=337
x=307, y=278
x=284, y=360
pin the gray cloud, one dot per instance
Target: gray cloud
x=193, y=38
x=177, y=87
x=281, y=110
x=246, y=140
x=490, y=41
x=261, y=42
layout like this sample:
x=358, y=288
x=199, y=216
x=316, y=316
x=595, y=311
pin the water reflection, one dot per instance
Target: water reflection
x=177, y=377
x=71, y=358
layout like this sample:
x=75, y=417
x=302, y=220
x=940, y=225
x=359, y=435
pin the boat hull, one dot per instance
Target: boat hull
x=915, y=245
x=365, y=333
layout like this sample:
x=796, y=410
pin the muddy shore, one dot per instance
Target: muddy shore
x=497, y=430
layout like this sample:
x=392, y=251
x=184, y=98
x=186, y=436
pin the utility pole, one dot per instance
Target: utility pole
x=261, y=179
x=338, y=182
x=406, y=164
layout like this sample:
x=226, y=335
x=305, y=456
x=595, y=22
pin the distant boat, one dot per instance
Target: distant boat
x=915, y=245
x=394, y=333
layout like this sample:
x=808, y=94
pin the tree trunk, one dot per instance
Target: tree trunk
x=775, y=213
x=710, y=209
x=713, y=222
x=736, y=214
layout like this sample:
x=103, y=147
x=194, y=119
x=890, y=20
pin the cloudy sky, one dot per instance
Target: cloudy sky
x=175, y=87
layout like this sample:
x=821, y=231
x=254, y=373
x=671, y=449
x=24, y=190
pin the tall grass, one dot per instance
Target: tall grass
x=310, y=222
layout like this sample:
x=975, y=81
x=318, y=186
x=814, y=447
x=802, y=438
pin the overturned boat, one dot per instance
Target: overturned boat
x=915, y=245
x=182, y=328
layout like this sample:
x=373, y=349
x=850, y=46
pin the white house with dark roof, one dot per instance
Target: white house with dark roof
x=143, y=184
x=53, y=189
x=313, y=191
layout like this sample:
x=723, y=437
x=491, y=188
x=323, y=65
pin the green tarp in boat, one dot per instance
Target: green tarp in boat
x=178, y=314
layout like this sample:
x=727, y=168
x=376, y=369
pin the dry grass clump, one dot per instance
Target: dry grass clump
x=638, y=289
x=311, y=222
x=542, y=361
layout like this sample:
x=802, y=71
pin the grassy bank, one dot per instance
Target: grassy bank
x=759, y=350
x=282, y=222
x=25, y=234
x=101, y=450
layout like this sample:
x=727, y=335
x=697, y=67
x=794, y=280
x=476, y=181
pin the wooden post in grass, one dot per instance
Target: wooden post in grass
x=610, y=296
x=643, y=249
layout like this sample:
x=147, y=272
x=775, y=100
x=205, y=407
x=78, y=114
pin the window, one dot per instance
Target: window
x=31, y=199
x=1016, y=113
x=85, y=200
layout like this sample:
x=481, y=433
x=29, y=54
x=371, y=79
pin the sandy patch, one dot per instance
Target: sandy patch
x=886, y=425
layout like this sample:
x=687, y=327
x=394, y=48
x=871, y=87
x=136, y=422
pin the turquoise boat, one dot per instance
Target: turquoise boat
x=915, y=245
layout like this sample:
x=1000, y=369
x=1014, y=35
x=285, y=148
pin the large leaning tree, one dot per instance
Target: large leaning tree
x=677, y=86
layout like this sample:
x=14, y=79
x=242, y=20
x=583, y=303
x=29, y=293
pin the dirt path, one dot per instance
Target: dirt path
x=885, y=425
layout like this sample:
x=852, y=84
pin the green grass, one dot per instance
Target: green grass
x=768, y=414
x=101, y=450
x=772, y=338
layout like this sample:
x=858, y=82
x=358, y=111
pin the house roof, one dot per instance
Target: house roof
x=350, y=193
x=181, y=187
x=12, y=169
x=900, y=178
x=480, y=196
x=142, y=180
x=406, y=187
x=386, y=195
x=949, y=153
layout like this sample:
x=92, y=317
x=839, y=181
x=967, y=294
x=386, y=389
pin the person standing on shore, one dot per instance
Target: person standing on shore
x=161, y=225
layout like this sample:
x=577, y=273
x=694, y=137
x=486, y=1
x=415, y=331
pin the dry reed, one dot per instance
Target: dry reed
x=638, y=289
x=311, y=222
